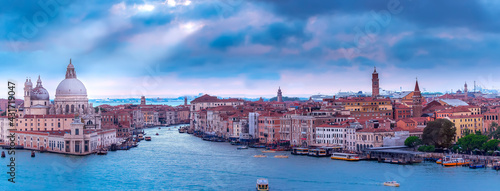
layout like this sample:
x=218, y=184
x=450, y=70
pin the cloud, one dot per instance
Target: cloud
x=255, y=44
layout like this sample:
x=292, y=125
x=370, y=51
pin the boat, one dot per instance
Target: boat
x=262, y=184
x=268, y=151
x=300, y=151
x=281, y=156
x=242, y=147
x=345, y=156
x=260, y=156
x=439, y=161
x=102, y=152
x=32, y=153
x=474, y=166
x=257, y=146
x=148, y=138
x=3, y=154
x=157, y=134
x=391, y=183
x=182, y=130
x=455, y=162
x=140, y=136
x=496, y=166
x=317, y=153
x=159, y=127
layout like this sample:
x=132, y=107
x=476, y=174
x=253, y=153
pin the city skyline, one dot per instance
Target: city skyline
x=249, y=49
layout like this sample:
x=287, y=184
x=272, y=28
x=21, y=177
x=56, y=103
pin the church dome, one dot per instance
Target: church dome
x=39, y=93
x=71, y=86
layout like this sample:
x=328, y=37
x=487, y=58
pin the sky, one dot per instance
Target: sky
x=236, y=48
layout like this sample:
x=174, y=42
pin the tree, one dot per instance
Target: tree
x=472, y=141
x=427, y=148
x=439, y=133
x=413, y=141
x=491, y=145
x=494, y=131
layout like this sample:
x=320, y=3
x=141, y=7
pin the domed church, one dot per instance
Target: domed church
x=71, y=95
x=70, y=98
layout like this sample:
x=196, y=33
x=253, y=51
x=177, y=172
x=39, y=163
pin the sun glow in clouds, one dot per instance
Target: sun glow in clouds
x=146, y=7
x=191, y=27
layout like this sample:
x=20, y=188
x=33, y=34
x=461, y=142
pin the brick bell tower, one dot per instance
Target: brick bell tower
x=417, y=101
x=375, y=83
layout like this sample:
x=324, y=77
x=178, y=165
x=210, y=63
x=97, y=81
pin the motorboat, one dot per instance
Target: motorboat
x=439, y=161
x=262, y=184
x=281, y=156
x=300, y=151
x=242, y=147
x=345, y=156
x=391, y=183
x=260, y=156
x=148, y=138
x=268, y=151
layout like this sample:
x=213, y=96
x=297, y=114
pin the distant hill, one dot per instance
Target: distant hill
x=286, y=99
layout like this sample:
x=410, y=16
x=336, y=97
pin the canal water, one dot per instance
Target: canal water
x=173, y=161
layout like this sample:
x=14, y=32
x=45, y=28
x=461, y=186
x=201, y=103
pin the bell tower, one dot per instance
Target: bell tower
x=375, y=83
x=417, y=101
x=28, y=86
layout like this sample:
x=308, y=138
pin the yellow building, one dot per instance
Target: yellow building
x=44, y=122
x=470, y=123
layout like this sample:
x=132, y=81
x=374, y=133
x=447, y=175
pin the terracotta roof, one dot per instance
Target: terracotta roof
x=373, y=130
x=465, y=116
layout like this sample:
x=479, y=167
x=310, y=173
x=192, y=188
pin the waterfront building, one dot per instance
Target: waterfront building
x=170, y=116
x=75, y=141
x=207, y=101
x=182, y=114
x=375, y=83
x=70, y=98
x=332, y=134
x=44, y=122
x=121, y=120
x=467, y=124
x=269, y=127
x=253, y=124
x=150, y=116
x=369, y=138
x=4, y=128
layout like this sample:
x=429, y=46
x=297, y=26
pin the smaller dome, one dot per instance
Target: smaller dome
x=39, y=93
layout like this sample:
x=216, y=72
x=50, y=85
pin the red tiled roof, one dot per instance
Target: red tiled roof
x=374, y=130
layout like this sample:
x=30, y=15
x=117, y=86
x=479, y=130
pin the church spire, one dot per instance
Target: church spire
x=39, y=82
x=70, y=71
x=417, y=89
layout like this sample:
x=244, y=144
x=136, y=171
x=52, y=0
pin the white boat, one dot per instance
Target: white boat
x=262, y=184
x=345, y=156
x=242, y=147
x=391, y=183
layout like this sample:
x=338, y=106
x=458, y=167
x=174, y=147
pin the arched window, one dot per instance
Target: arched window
x=67, y=109
x=72, y=108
